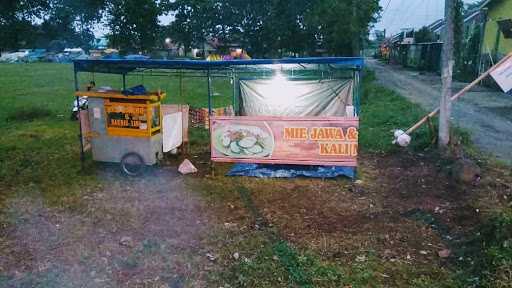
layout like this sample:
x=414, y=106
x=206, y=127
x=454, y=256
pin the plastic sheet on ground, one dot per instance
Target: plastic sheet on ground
x=290, y=171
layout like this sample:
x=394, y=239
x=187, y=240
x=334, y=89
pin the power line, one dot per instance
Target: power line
x=407, y=14
x=427, y=11
x=411, y=4
x=386, y=9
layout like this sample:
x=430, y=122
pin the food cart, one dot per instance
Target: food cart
x=124, y=128
x=299, y=111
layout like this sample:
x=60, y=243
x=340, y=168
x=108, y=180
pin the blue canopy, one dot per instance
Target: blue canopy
x=122, y=66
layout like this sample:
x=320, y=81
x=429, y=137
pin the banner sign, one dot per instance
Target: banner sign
x=503, y=75
x=285, y=140
x=130, y=119
x=126, y=116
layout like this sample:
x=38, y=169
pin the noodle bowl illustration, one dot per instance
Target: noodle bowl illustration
x=244, y=141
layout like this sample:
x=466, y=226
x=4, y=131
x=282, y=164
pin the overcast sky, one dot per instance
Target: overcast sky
x=398, y=14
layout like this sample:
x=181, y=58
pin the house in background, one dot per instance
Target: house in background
x=497, y=40
x=468, y=57
x=436, y=28
x=472, y=21
x=100, y=43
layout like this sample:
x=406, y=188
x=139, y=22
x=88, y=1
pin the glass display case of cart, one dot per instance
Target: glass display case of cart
x=130, y=115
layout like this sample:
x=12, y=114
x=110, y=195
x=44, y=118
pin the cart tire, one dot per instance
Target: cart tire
x=73, y=116
x=132, y=164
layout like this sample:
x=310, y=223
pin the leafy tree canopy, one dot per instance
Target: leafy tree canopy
x=133, y=24
x=266, y=28
x=424, y=35
x=276, y=27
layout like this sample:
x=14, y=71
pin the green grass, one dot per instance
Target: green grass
x=39, y=156
x=39, y=148
x=50, y=87
x=486, y=258
x=383, y=111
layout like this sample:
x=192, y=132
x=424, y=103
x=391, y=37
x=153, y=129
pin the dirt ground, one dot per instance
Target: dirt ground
x=167, y=230
x=485, y=113
x=130, y=233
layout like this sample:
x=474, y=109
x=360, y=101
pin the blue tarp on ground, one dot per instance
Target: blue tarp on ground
x=290, y=171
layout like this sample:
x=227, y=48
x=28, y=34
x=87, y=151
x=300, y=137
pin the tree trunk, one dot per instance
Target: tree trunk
x=356, y=37
x=446, y=74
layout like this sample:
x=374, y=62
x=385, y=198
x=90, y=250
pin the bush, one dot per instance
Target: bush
x=28, y=114
x=491, y=251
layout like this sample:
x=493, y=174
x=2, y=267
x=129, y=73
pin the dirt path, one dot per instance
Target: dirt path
x=166, y=230
x=487, y=114
x=130, y=233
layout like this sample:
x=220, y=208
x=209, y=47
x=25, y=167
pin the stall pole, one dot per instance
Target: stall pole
x=358, y=84
x=209, y=92
x=212, y=165
x=233, y=78
x=181, y=84
x=82, y=154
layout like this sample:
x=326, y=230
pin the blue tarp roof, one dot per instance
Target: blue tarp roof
x=119, y=66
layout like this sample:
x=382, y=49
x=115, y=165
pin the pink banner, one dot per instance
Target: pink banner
x=285, y=140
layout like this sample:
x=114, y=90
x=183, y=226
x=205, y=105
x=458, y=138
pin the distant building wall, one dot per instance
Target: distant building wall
x=494, y=42
x=420, y=56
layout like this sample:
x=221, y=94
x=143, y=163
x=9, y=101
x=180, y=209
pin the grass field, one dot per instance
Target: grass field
x=34, y=116
x=383, y=232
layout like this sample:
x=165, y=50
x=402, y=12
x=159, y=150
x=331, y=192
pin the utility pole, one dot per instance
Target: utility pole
x=446, y=75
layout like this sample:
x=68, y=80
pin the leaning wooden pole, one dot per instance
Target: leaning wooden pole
x=459, y=94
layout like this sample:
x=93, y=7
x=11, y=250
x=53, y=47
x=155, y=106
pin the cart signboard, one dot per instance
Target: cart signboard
x=285, y=140
x=132, y=119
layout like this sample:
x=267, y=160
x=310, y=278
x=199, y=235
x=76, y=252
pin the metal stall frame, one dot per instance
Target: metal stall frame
x=225, y=69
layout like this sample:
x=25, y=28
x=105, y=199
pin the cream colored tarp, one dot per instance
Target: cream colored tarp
x=280, y=97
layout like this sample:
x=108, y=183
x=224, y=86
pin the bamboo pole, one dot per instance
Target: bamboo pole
x=459, y=94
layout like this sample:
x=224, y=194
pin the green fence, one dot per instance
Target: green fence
x=420, y=56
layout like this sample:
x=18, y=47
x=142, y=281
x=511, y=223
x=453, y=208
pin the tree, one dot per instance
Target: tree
x=70, y=21
x=342, y=24
x=194, y=21
x=133, y=24
x=458, y=22
x=474, y=5
x=63, y=20
x=16, y=28
x=424, y=35
x=276, y=27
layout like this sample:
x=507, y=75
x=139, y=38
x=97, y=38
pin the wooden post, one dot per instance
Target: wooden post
x=80, y=135
x=446, y=74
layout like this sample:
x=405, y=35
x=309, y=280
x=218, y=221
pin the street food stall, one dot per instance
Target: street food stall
x=293, y=111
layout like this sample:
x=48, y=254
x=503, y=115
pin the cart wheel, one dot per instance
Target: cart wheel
x=132, y=164
x=73, y=116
